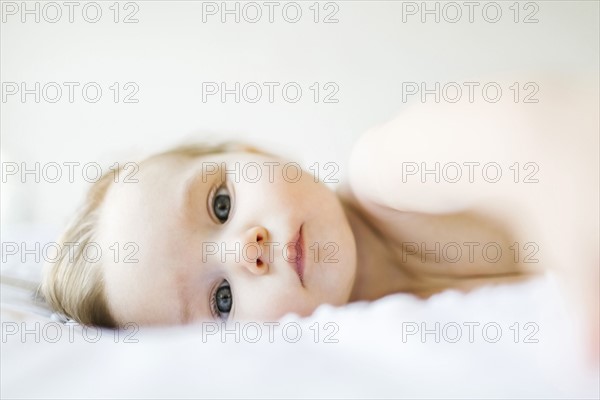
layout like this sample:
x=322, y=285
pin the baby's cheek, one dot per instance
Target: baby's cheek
x=265, y=306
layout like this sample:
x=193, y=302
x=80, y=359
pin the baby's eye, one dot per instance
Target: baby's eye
x=222, y=300
x=222, y=204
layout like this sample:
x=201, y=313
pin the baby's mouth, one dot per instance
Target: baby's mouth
x=300, y=256
x=296, y=255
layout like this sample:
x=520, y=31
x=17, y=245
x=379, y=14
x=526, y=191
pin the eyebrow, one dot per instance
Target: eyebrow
x=188, y=313
x=195, y=187
x=191, y=302
x=184, y=301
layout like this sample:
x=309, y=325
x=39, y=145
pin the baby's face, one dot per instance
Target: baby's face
x=211, y=248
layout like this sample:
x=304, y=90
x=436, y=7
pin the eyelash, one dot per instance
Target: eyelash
x=213, y=301
x=213, y=294
x=211, y=199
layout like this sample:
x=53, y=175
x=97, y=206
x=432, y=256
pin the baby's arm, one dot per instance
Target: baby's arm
x=553, y=204
x=553, y=142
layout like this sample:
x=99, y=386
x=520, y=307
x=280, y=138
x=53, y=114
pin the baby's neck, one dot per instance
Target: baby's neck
x=376, y=273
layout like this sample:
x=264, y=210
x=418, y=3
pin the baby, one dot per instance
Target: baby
x=196, y=240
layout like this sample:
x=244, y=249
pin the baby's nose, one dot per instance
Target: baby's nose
x=254, y=255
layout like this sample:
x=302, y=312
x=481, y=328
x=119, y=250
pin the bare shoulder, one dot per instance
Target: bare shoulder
x=450, y=157
x=438, y=158
x=520, y=176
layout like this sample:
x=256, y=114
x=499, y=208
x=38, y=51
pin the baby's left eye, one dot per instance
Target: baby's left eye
x=222, y=204
x=222, y=300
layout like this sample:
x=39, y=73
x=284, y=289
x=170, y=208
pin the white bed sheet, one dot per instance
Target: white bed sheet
x=370, y=358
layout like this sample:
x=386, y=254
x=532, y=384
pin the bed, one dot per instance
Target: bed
x=505, y=341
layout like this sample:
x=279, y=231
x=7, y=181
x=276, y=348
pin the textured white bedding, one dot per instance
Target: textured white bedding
x=380, y=352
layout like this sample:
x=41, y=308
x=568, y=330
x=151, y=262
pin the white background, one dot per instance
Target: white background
x=369, y=53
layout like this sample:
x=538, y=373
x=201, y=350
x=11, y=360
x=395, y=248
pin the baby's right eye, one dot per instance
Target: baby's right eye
x=221, y=204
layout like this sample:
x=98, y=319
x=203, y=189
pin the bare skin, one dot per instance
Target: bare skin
x=393, y=234
x=384, y=267
x=548, y=222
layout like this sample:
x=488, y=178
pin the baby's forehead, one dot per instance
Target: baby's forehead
x=143, y=194
x=160, y=165
x=153, y=176
x=155, y=186
x=175, y=162
x=146, y=178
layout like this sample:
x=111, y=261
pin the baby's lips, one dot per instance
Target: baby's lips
x=292, y=252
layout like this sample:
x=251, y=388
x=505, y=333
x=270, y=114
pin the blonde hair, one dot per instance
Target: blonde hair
x=72, y=285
